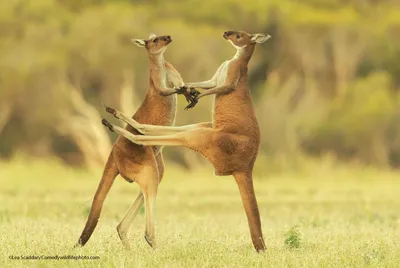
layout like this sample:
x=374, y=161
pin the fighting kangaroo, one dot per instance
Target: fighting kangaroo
x=143, y=165
x=231, y=141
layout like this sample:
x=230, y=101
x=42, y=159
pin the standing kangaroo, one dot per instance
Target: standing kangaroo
x=134, y=162
x=231, y=142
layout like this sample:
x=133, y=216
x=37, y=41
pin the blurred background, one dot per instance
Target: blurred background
x=326, y=87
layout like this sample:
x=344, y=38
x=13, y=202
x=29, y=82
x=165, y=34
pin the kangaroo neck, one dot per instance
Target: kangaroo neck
x=157, y=61
x=157, y=72
x=243, y=54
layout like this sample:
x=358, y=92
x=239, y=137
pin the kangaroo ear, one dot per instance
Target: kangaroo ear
x=260, y=38
x=139, y=42
x=152, y=35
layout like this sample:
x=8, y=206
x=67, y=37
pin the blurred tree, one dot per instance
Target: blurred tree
x=327, y=82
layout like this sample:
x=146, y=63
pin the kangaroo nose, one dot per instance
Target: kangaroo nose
x=168, y=37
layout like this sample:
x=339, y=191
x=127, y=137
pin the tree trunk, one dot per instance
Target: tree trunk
x=83, y=124
x=5, y=113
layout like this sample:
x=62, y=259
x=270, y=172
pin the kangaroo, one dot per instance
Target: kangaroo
x=133, y=162
x=231, y=141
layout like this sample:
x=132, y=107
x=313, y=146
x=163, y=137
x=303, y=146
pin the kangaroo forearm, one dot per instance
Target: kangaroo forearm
x=203, y=85
x=166, y=92
x=217, y=90
x=211, y=83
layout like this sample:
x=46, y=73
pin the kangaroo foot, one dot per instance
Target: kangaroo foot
x=107, y=124
x=150, y=241
x=111, y=110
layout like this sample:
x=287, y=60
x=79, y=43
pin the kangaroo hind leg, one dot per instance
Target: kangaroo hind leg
x=126, y=222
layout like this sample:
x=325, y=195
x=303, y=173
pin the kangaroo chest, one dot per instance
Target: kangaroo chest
x=222, y=73
x=162, y=109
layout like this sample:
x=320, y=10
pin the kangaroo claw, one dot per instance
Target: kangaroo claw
x=191, y=104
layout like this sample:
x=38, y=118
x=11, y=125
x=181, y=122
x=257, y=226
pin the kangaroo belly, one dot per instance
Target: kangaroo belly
x=157, y=110
x=235, y=113
x=130, y=157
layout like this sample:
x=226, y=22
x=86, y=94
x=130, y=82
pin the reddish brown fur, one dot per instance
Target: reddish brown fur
x=232, y=141
x=134, y=162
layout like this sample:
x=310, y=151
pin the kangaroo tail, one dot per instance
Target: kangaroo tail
x=107, y=180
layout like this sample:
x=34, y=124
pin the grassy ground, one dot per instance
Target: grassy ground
x=339, y=219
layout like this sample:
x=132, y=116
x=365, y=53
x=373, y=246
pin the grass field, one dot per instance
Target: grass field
x=340, y=218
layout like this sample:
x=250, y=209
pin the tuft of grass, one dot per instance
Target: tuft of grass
x=373, y=256
x=86, y=211
x=293, y=237
x=142, y=211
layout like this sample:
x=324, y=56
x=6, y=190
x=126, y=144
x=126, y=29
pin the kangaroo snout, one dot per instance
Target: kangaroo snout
x=227, y=33
x=168, y=39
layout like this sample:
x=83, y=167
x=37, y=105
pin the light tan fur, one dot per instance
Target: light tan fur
x=133, y=162
x=231, y=141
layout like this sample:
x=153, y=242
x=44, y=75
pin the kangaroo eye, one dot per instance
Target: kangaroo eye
x=155, y=40
x=237, y=36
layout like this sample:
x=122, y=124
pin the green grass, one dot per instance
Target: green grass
x=340, y=218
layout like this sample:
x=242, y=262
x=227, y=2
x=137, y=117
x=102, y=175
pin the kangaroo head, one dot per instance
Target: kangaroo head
x=155, y=44
x=240, y=39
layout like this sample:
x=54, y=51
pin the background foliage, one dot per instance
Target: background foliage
x=325, y=86
x=326, y=89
